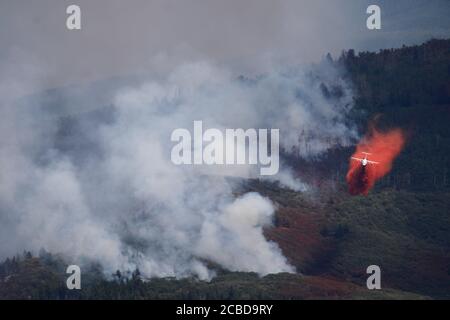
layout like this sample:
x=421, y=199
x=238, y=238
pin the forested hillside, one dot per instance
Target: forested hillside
x=329, y=236
x=408, y=88
x=411, y=88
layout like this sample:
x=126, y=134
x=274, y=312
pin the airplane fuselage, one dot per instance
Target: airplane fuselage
x=364, y=161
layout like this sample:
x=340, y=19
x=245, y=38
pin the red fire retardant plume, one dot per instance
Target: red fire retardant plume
x=383, y=147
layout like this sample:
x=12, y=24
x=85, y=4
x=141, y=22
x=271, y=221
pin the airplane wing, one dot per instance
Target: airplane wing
x=357, y=159
x=372, y=162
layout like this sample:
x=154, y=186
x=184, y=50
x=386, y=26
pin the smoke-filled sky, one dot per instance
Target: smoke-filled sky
x=99, y=185
x=137, y=36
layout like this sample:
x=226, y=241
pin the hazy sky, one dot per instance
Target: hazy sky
x=146, y=36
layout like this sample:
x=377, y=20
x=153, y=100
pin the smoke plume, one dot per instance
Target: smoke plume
x=98, y=184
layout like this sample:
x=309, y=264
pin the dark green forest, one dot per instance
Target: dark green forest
x=329, y=236
x=410, y=88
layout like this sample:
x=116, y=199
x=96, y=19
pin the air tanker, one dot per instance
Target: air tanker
x=364, y=161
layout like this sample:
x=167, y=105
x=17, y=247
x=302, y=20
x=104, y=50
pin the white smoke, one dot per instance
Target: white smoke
x=108, y=191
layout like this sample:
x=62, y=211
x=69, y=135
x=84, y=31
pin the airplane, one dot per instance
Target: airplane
x=365, y=161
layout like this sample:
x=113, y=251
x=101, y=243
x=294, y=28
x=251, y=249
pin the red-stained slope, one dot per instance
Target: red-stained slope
x=383, y=147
